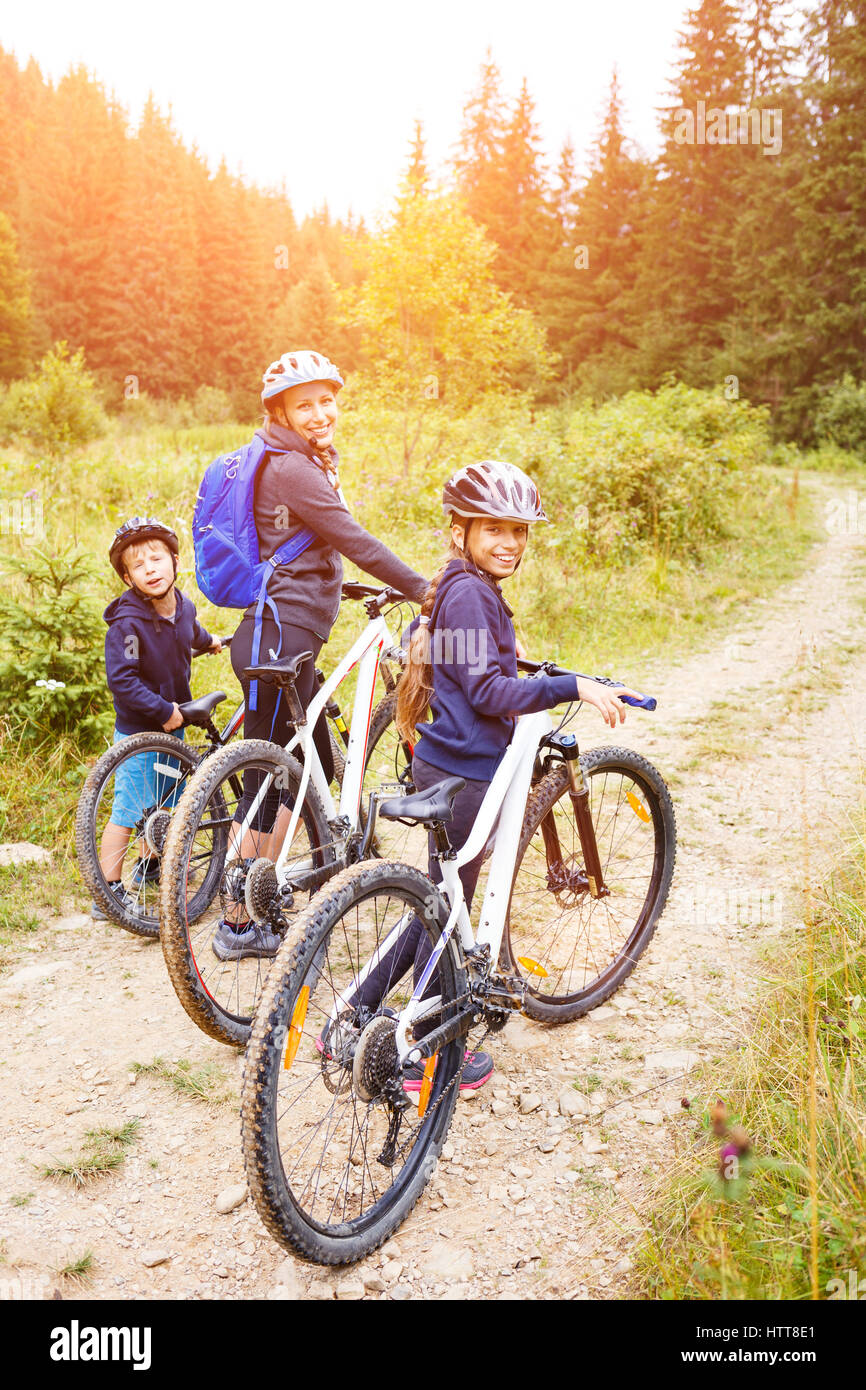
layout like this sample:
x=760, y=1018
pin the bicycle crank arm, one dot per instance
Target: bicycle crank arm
x=455, y=1027
x=309, y=880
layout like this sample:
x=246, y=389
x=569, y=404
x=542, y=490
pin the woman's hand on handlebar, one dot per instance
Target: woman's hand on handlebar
x=174, y=721
x=605, y=698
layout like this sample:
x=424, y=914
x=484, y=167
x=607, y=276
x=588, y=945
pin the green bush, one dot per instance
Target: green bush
x=841, y=417
x=668, y=469
x=57, y=406
x=212, y=406
x=52, y=630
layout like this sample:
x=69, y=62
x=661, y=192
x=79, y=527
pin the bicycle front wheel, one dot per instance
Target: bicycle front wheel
x=121, y=824
x=217, y=968
x=336, y=1153
x=574, y=950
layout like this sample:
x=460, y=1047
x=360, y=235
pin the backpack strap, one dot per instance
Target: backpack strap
x=290, y=551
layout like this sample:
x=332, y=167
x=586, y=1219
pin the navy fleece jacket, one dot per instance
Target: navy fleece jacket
x=476, y=688
x=147, y=659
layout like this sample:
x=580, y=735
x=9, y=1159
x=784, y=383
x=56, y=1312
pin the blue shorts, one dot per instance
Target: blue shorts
x=144, y=781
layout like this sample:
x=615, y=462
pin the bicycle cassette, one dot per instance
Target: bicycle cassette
x=260, y=891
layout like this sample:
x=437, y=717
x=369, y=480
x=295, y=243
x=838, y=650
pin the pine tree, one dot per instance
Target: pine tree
x=15, y=312
x=764, y=347
x=158, y=341
x=479, y=158
x=417, y=177
x=683, y=296
x=71, y=216
x=830, y=199
x=598, y=264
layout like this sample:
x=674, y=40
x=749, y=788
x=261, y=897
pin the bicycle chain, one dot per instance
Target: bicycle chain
x=454, y=1080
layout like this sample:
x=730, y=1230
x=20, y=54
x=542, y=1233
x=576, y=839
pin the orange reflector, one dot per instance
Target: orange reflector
x=427, y=1084
x=296, y=1027
x=532, y=967
x=637, y=806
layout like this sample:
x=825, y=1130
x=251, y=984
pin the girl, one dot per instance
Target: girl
x=297, y=487
x=463, y=665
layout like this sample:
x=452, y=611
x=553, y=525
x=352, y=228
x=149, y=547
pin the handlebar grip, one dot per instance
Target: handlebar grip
x=645, y=702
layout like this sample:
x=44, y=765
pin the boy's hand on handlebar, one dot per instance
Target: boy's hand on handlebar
x=175, y=721
x=216, y=645
x=605, y=699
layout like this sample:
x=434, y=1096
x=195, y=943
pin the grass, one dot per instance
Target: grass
x=30, y=892
x=206, y=1083
x=80, y=1270
x=790, y=1217
x=589, y=1083
x=103, y=1152
x=20, y=1199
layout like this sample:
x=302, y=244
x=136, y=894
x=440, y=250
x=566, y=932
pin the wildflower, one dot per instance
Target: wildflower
x=719, y=1117
x=52, y=684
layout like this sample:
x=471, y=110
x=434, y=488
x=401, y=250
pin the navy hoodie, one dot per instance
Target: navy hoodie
x=147, y=659
x=476, y=688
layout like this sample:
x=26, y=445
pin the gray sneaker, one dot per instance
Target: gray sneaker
x=230, y=943
x=125, y=901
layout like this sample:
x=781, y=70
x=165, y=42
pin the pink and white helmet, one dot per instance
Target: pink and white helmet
x=296, y=368
x=492, y=488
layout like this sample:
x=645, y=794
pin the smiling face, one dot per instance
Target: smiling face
x=495, y=545
x=311, y=411
x=149, y=566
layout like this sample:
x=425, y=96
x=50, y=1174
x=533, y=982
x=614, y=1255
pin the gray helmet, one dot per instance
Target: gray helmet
x=496, y=489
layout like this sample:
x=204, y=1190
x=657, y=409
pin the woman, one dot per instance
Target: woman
x=297, y=487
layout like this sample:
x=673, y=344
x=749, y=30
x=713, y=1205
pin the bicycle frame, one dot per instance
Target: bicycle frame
x=504, y=806
x=366, y=653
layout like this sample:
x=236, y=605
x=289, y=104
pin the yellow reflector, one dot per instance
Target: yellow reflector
x=637, y=806
x=427, y=1084
x=296, y=1027
x=532, y=966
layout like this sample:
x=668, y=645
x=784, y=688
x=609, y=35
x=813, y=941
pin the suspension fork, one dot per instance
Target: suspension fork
x=578, y=792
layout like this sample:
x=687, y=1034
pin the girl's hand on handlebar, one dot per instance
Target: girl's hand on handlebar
x=216, y=645
x=605, y=699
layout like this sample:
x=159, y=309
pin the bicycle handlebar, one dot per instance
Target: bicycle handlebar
x=375, y=599
x=206, y=651
x=549, y=668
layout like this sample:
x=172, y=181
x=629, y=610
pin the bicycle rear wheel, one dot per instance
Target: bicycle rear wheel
x=139, y=780
x=574, y=950
x=218, y=991
x=334, y=1162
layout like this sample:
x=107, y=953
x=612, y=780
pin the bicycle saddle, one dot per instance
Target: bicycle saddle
x=286, y=668
x=434, y=804
x=199, y=711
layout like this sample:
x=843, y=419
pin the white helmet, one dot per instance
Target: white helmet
x=297, y=368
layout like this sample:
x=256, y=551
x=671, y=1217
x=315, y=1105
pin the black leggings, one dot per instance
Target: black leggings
x=271, y=720
x=412, y=947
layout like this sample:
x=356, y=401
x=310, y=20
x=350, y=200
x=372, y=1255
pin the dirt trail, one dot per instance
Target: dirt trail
x=529, y=1205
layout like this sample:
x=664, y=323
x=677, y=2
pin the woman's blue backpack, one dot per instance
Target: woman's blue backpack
x=228, y=568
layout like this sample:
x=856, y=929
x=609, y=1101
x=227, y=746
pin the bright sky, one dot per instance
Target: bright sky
x=324, y=95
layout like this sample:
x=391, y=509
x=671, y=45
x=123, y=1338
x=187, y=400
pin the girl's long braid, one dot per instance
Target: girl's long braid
x=416, y=682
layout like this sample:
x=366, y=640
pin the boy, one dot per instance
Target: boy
x=151, y=631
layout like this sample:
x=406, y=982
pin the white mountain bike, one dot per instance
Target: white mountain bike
x=271, y=825
x=336, y=1151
